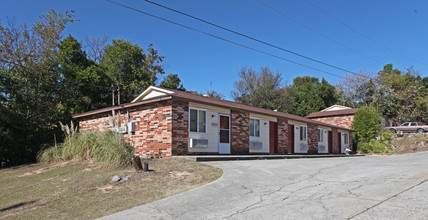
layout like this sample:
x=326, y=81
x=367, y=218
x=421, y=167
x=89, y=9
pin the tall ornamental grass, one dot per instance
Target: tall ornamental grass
x=106, y=147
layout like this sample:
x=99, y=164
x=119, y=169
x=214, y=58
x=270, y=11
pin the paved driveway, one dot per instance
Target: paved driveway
x=374, y=187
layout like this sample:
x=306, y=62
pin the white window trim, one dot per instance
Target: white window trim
x=260, y=127
x=197, y=120
x=320, y=130
x=306, y=136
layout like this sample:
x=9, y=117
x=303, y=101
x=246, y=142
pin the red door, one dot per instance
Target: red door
x=330, y=142
x=290, y=148
x=273, y=137
x=339, y=142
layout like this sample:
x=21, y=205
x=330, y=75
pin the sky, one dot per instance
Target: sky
x=356, y=36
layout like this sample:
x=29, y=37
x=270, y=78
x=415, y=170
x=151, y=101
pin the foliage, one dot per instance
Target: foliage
x=30, y=85
x=261, y=89
x=172, y=81
x=309, y=95
x=367, y=123
x=127, y=65
x=383, y=145
x=106, y=147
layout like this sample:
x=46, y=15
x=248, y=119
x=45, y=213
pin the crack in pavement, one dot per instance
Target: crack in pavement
x=394, y=196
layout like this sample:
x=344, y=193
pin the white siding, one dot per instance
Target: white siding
x=212, y=132
x=264, y=133
x=153, y=94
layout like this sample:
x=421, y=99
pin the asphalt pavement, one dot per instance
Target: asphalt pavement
x=372, y=187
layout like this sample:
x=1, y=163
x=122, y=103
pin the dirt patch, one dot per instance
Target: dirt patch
x=44, y=169
x=409, y=143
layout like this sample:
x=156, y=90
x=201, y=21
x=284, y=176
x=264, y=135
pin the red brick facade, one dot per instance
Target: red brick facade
x=282, y=135
x=180, y=129
x=162, y=130
x=312, y=139
x=240, y=136
x=344, y=121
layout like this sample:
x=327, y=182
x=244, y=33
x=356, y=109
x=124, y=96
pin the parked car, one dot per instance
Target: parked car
x=409, y=127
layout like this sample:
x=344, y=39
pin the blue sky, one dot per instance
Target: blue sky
x=401, y=26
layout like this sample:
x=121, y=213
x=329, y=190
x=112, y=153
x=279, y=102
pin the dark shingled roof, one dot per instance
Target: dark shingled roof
x=212, y=101
x=332, y=113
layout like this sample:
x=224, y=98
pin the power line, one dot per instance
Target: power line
x=317, y=32
x=249, y=37
x=358, y=32
x=223, y=39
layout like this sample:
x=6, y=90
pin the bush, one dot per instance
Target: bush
x=383, y=145
x=367, y=123
x=106, y=147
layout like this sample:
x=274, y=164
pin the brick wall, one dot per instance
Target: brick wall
x=335, y=141
x=282, y=135
x=153, y=128
x=240, y=136
x=341, y=121
x=312, y=139
x=180, y=129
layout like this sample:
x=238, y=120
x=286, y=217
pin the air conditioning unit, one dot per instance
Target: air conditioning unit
x=321, y=148
x=123, y=130
x=114, y=129
x=201, y=143
x=256, y=145
x=131, y=126
x=303, y=147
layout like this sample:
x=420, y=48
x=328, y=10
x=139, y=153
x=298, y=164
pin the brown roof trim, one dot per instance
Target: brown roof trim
x=126, y=105
x=332, y=113
x=238, y=106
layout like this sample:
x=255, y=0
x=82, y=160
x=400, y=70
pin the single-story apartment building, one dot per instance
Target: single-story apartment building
x=343, y=116
x=163, y=122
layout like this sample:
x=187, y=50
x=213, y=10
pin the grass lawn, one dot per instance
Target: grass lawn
x=78, y=190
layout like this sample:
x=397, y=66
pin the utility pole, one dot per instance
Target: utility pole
x=118, y=102
x=112, y=102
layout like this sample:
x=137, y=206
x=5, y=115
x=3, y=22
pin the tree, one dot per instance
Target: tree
x=261, y=89
x=30, y=84
x=367, y=123
x=172, y=81
x=309, y=95
x=127, y=65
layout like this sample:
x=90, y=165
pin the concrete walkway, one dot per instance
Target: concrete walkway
x=205, y=158
x=373, y=187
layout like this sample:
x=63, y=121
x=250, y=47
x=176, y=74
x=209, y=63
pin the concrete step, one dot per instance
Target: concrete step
x=202, y=158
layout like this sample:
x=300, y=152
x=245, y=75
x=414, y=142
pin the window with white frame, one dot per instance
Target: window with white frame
x=303, y=133
x=346, y=138
x=254, y=127
x=197, y=120
x=320, y=135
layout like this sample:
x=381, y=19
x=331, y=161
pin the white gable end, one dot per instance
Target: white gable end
x=335, y=107
x=151, y=92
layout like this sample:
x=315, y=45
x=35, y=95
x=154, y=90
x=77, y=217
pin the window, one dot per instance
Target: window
x=197, y=120
x=254, y=127
x=414, y=124
x=405, y=124
x=303, y=133
x=320, y=135
x=346, y=138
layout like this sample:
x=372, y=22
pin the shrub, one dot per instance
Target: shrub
x=367, y=123
x=383, y=145
x=106, y=147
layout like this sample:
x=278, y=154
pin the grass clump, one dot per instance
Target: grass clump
x=383, y=144
x=106, y=147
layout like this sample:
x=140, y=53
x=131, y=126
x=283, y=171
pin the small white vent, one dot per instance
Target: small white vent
x=303, y=147
x=321, y=148
x=256, y=145
x=202, y=143
x=114, y=129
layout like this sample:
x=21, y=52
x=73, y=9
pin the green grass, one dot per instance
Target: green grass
x=77, y=190
x=106, y=147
